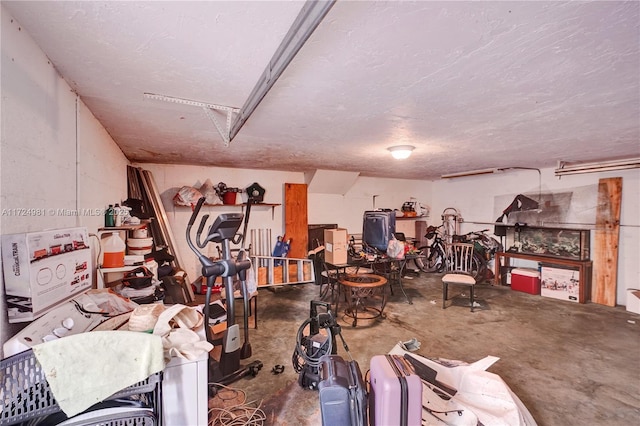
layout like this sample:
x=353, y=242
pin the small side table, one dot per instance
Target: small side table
x=361, y=290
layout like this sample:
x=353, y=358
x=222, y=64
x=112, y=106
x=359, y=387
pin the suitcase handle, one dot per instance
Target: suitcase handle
x=404, y=391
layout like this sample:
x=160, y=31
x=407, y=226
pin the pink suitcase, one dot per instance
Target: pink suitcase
x=395, y=392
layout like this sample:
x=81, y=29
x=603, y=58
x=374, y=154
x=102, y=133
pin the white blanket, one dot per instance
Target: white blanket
x=87, y=368
x=480, y=397
x=176, y=325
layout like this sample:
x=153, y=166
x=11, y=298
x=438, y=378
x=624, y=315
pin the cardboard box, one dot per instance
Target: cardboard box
x=633, y=300
x=561, y=283
x=335, y=246
x=44, y=269
x=525, y=280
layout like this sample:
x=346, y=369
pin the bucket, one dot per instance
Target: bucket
x=113, y=251
x=140, y=246
x=141, y=233
x=229, y=198
x=152, y=265
x=139, y=252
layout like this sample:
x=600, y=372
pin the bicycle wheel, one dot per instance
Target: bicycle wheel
x=432, y=261
x=478, y=267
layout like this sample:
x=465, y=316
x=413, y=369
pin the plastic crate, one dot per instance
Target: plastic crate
x=25, y=393
x=111, y=417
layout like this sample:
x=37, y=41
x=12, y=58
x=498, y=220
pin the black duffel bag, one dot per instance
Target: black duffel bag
x=138, y=278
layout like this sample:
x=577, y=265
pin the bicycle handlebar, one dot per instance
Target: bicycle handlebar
x=477, y=232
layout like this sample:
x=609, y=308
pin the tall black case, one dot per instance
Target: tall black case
x=378, y=226
x=343, y=395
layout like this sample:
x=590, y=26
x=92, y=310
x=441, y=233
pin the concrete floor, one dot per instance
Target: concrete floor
x=570, y=364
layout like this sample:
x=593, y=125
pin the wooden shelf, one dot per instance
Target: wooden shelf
x=142, y=224
x=242, y=205
x=236, y=205
x=584, y=268
x=411, y=217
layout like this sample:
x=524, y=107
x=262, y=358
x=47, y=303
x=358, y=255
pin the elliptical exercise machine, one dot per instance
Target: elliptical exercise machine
x=223, y=230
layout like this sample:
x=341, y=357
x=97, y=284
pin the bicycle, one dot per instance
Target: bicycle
x=484, y=249
x=435, y=256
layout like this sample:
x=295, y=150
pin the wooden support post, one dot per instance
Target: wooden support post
x=605, y=260
x=295, y=219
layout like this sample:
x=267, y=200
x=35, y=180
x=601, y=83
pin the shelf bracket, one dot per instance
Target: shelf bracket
x=208, y=109
x=223, y=132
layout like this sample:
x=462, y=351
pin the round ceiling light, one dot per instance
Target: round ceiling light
x=400, y=152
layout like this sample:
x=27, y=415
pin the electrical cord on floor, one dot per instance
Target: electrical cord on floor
x=243, y=413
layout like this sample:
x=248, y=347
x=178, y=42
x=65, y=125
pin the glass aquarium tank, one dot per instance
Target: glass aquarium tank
x=562, y=243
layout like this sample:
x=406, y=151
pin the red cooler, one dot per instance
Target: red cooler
x=526, y=280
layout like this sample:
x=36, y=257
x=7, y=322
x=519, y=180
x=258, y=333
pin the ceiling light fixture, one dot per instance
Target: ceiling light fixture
x=400, y=152
x=469, y=173
x=601, y=166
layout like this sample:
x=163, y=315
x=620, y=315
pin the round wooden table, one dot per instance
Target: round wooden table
x=362, y=291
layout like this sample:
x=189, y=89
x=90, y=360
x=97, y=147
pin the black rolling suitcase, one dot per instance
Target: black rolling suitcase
x=343, y=395
x=378, y=227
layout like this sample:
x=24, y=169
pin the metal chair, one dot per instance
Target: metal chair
x=327, y=279
x=459, y=261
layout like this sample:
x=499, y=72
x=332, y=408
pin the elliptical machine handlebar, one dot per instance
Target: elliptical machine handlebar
x=223, y=230
x=216, y=233
x=203, y=221
x=209, y=267
x=192, y=219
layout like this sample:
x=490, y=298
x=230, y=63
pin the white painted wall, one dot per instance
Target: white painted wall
x=345, y=210
x=475, y=198
x=56, y=158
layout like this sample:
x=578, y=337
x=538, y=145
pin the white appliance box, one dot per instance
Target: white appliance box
x=560, y=283
x=44, y=269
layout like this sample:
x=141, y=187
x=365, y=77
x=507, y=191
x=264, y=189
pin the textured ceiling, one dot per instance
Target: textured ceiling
x=471, y=85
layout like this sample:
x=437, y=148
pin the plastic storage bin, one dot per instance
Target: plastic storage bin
x=25, y=395
x=525, y=280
